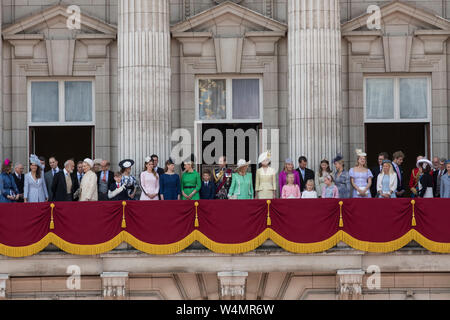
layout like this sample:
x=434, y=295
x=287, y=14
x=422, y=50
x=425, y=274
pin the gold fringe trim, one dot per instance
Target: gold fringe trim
x=235, y=248
x=295, y=247
x=440, y=247
x=87, y=250
x=160, y=249
x=378, y=247
x=20, y=252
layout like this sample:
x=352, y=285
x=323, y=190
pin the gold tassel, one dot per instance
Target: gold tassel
x=52, y=223
x=197, y=224
x=124, y=223
x=341, y=221
x=269, y=221
x=413, y=223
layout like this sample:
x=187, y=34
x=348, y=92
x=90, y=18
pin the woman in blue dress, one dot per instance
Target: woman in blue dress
x=361, y=177
x=342, y=178
x=8, y=186
x=387, y=181
x=169, y=183
x=35, y=189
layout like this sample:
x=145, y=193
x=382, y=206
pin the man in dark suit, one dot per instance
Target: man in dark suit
x=19, y=179
x=437, y=175
x=105, y=178
x=208, y=189
x=159, y=171
x=376, y=171
x=65, y=183
x=50, y=174
x=304, y=173
x=397, y=161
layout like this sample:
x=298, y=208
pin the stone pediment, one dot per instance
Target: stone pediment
x=56, y=18
x=229, y=19
x=399, y=13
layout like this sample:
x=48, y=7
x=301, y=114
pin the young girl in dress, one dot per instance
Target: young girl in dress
x=329, y=190
x=290, y=190
x=309, y=193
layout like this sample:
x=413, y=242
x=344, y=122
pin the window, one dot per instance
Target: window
x=232, y=99
x=397, y=99
x=61, y=102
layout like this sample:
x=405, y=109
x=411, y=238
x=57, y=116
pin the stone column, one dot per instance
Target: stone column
x=144, y=80
x=114, y=285
x=315, y=112
x=232, y=285
x=350, y=284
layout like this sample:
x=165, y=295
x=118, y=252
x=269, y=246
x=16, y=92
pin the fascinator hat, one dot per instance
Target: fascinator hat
x=338, y=157
x=360, y=153
x=264, y=156
x=7, y=162
x=35, y=160
x=127, y=163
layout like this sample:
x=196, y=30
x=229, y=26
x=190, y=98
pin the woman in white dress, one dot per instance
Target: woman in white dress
x=88, y=187
x=266, y=179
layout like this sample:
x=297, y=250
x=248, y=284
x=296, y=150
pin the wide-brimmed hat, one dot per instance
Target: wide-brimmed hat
x=90, y=162
x=264, y=156
x=423, y=162
x=35, y=160
x=127, y=163
x=242, y=163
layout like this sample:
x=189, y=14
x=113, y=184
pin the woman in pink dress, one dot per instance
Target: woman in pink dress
x=149, y=181
x=290, y=190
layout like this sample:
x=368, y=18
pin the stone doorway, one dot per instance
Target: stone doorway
x=62, y=142
x=411, y=138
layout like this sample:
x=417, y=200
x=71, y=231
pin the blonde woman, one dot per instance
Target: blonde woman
x=88, y=187
x=266, y=179
x=361, y=176
x=387, y=181
x=149, y=181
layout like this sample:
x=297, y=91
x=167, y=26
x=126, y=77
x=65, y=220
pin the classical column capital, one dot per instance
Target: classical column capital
x=232, y=285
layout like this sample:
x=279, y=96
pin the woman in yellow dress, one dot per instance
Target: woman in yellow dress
x=266, y=178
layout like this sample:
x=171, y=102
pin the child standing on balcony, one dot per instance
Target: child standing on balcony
x=309, y=193
x=117, y=191
x=290, y=190
x=329, y=190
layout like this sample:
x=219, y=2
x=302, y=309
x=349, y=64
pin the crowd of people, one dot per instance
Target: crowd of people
x=92, y=180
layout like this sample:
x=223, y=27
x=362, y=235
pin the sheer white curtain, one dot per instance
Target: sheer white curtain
x=44, y=102
x=246, y=99
x=212, y=99
x=413, y=98
x=78, y=101
x=380, y=98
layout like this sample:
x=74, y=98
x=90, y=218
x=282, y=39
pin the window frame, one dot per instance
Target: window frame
x=396, y=79
x=61, y=103
x=229, y=98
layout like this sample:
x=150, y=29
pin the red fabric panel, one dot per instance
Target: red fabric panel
x=305, y=220
x=87, y=223
x=160, y=222
x=377, y=220
x=433, y=219
x=23, y=224
x=232, y=221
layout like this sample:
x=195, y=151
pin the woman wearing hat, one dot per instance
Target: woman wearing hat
x=88, y=187
x=169, y=183
x=426, y=180
x=128, y=180
x=241, y=183
x=282, y=177
x=342, y=178
x=361, y=176
x=266, y=180
x=149, y=181
x=445, y=181
x=190, y=182
x=387, y=181
x=35, y=189
x=9, y=188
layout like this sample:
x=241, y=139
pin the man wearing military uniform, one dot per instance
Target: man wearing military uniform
x=222, y=178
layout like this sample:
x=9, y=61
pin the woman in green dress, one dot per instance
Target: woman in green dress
x=241, y=182
x=190, y=183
